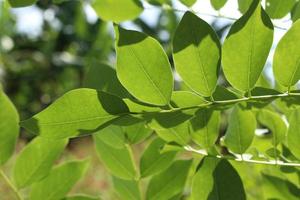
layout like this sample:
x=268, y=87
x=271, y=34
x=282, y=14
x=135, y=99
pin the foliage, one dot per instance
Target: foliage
x=197, y=130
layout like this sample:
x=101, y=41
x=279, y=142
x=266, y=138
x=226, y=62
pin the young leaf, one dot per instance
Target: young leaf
x=76, y=113
x=287, y=57
x=59, y=182
x=169, y=182
x=217, y=180
x=143, y=67
x=182, y=99
x=197, y=54
x=9, y=128
x=244, y=5
x=250, y=38
x=137, y=132
x=127, y=189
x=240, y=131
x=275, y=123
x=119, y=161
x=293, y=136
x=205, y=128
x=153, y=161
x=218, y=4
x=35, y=160
x=118, y=11
x=277, y=9
x=21, y=3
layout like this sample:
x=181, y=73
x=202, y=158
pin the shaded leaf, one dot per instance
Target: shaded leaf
x=21, y=3
x=277, y=9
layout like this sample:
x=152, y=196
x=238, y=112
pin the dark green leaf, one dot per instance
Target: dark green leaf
x=21, y=3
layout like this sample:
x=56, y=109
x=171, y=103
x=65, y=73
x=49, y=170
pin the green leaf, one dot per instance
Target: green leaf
x=153, y=161
x=127, y=189
x=9, y=128
x=250, y=37
x=112, y=135
x=36, y=159
x=143, y=67
x=197, y=54
x=169, y=182
x=158, y=2
x=188, y=3
x=184, y=99
x=217, y=180
x=218, y=4
x=81, y=197
x=119, y=161
x=59, y=182
x=244, y=5
x=137, y=132
x=205, y=128
x=240, y=131
x=287, y=57
x=295, y=13
x=277, y=9
x=118, y=11
x=76, y=113
x=293, y=136
x=21, y=3
x=275, y=123
x=108, y=81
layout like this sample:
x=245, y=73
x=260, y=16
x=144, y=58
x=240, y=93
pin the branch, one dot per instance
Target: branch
x=10, y=185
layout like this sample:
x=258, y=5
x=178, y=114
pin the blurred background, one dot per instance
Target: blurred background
x=47, y=49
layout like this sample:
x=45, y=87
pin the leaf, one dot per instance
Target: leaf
x=287, y=57
x=118, y=11
x=216, y=179
x=240, y=131
x=275, y=123
x=277, y=9
x=205, y=128
x=36, y=159
x=158, y=2
x=127, y=189
x=295, y=13
x=250, y=37
x=21, y=3
x=9, y=128
x=112, y=135
x=184, y=99
x=169, y=182
x=218, y=4
x=119, y=161
x=244, y=5
x=136, y=133
x=59, y=182
x=293, y=136
x=153, y=161
x=76, y=113
x=188, y=3
x=81, y=197
x=143, y=67
x=197, y=54
x=104, y=78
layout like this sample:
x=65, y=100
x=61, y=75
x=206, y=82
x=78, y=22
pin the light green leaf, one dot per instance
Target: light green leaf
x=112, y=135
x=188, y=3
x=76, y=113
x=36, y=159
x=244, y=5
x=183, y=99
x=81, y=197
x=250, y=38
x=9, y=128
x=217, y=180
x=143, y=67
x=205, y=128
x=277, y=9
x=59, y=182
x=197, y=54
x=137, y=132
x=240, y=131
x=119, y=161
x=287, y=57
x=127, y=189
x=218, y=4
x=118, y=11
x=21, y=3
x=275, y=123
x=293, y=135
x=169, y=182
x=153, y=161
x=135, y=106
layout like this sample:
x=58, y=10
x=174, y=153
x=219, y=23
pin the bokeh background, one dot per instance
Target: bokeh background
x=47, y=49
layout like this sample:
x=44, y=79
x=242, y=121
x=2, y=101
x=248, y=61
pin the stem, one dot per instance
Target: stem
x=10, y=185
x=242, y=159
